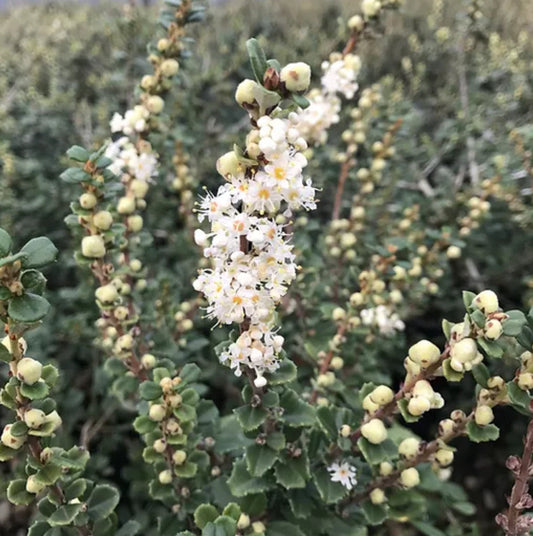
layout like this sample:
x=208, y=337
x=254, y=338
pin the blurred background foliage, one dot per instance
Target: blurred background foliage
x=64, y=70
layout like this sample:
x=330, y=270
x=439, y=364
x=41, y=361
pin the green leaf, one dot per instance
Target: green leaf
x=48, y=474
x=144, y=425
x=190, y=373
x=65, y=514
x=512, y=326
x=28, y=308
x=74, y=175
x=286, y=373
x=78, y=153
x=446, y=328
x=276, y=441
x=326, y=420
x=75, y=489
x=282, y=528
x=5, y=356
x=186, y=470
x=450, y=374
x=468, y=297
x=427, y=529
x=33, y=281
x=375, y=513
x=330, y=492
x=18, y=429
x=50, y=374
x=39, y=528
x=37, y=391
x=6, y=453
x=250, y=418
x=150, y=390
x=258, y=59
x=17, y=494
x=407, y=417
x=492, y=349
x=259, y=459
x=185, y=413
x=242, y=483
x=232, y=510
x=102, y=502
x=6, y=243
x=292, y=473
x=12, y=258
x=130, y=528
x=481, y=374
x=519, y=399
x=39, y=252
x=375, y=454
x=296, y=412
x=300, y=100
x=479, y=434
x=204, y=514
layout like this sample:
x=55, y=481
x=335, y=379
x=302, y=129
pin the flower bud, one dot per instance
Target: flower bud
x=444, y=457
x=377, y=496
x=160, y=445
x=228, y=165
x=408, y=448
x=106, y=294
x=374, y=431
x=345, y=430
x=124, y=343
x=243, y=522
x=103, y=220
x=409, y=478
x=446, y=427
x=296, y=76
x=418, y=405
x=258, y=527
x=33, y=485
x=453, y=252
x=382, y=395
x=54, y=418
x=126, y=205
x=169, y=68
x=424, y=353
x=87, y=201
x=483, y=415
x=486, y=301
x=245, y=92
x=155, y=104
x=139, y=188
x=157, y=412
x=525, y=381
x=93, y=246
x=356, y=23
x=11, y=441
x=369, y=405
x=165, y=477
x=337, y=363
x=29, y=370
x=493, y=329
x=163, y=44
x=135, y=223
x=148, y=82
x=464, y=355
x=34, y=418
x=338, y=314
x=179, y=457
x=385, y=468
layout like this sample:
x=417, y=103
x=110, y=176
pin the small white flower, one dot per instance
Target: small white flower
x=343, y=473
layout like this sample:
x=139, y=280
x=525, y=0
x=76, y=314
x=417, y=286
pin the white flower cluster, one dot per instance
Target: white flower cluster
x=344, y=473
x=134, y=120
x=141, y=165
x=339, y=78
x=385, y=320
x=252, y=261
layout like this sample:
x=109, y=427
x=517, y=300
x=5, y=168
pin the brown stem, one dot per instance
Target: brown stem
x=348, y=164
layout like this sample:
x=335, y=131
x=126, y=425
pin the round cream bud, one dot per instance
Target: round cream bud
x=496, y=382
x=135, y=223
x=54, y=418
x=377, y=496
x=228, y=165
x=106, y=293
x=179, y=457
x=487, y=301
x=374, y=431
x=87, y=201
x=169, y=67
x=369, y=405
x=464, y=350
x=165, y=477
x=157, y=412
x=244, y=93
x=138, y=188
x=424, y=353
x=103, y=220
x=136, y=265
x=493, y=329
x=396, y=296
x=444, y=457
x=325, y=380
x=453, y=252
x=525, y=381
x=29, y=370
x=348, y=240
x=121, y=313
x=126, y=205
x=163, y=44
x=483, y=415
x=160, y=445
x=155, y=104
x=175, y=400
x=382, y=395
x=243, y=522
x=385, y=468
x=356, y=299
x=337, y=363
x=148, y=81
x=93, y=246
x=33, y=485
x=34, y=418
x=187, y=324
x=408, y=448
x=338, y=314
x=418, y=405
x=345, y=430
x=446, y=427
x=11, y=441
x=356, y=23
x=409, y=478
x=296, y=76
x=258, y=527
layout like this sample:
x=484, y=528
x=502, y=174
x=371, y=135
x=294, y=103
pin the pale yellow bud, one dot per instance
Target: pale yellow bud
x=374, y=431
x=103, y=220
x=377, y=496
x=486, y=301
x=245, y=92
x=483, y=415
x=296, y=76
x=409, y=478
x=93, y=246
